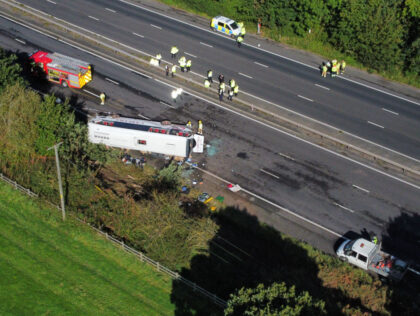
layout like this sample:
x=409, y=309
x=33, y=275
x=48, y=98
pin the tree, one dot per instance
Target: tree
x=10, y=70
x=274, y=300
x=372, y=31
x=49, y=121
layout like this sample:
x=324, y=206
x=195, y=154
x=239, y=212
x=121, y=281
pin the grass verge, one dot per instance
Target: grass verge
x=51, y=267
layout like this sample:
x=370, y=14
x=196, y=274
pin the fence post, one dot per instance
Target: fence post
x=15, y=185
x=106, y=235
x=141, y=256
x=122, y=244
x=176, y=275
x=194, y=287
x=158, y=266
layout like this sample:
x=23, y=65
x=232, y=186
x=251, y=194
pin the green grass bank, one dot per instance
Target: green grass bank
x=56, y=268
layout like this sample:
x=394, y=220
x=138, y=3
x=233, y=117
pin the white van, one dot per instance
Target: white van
x=225, y=25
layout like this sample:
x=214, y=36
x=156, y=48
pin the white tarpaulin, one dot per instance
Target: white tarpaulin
x=199, y=143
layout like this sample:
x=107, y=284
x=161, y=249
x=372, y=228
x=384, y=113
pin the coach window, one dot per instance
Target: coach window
x=141, y=142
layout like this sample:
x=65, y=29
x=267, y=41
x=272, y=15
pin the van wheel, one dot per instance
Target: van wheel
x=64, y=83
x=344, y=259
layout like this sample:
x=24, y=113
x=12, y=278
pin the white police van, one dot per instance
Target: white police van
x=225, y=25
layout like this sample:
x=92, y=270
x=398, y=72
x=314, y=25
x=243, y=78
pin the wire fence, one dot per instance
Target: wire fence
x=141, y=256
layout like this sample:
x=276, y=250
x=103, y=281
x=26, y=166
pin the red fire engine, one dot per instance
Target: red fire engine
x=61, y=69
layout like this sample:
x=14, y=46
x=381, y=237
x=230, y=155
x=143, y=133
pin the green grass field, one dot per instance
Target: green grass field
x=48, y=267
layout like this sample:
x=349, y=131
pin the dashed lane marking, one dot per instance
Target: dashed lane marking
x=269, y=173
x=110, y=10
x=139, y=35
x=155, y=26
x=20, y=41
x=286, y=156
x=389, y=111
x=208, y=45
x=374, y=124
x=93, y=18
x=110, y=80
x=259, y=64
x=305, y=98
x=51, y=2
x=91, y=93
x=190, y=54
x=343, y=207
x=360, y=188
x=145, y=117
x=164, y=103
x=245, y=75
x=320, y=86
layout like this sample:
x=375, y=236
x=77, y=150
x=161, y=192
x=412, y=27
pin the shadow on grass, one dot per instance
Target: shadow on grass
x=246, y=253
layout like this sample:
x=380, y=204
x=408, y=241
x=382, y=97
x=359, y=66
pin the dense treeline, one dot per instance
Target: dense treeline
x=383, y=35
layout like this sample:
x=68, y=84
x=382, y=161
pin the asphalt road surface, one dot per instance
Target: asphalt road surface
x=384, y=119
x=336, y=193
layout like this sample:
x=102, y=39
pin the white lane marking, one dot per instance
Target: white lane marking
x=343, y=207
x=389, y=111
x=374, y=124
x=110, y=80
x=269, y=173
x=412, y=270
x=360, y=188
x=206, y=44
x=145, y=117
x=318, y=85
x=272, y=203
x=298, y=138
x=138, y=35
x=267, y=51
x=20, y=41
x=51, y=2
x=286, y=156
x=164, y=103
x=197, y=74
x=305, y=98
x=93, y=18
x=259, y=64
x=158, y=27
x=190, y=54
x=245, y=75
x=90, y=93
x=379, y=90
x=110, y=10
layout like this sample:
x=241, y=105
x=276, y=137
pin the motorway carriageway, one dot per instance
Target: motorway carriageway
x=384, y=118
x=333, y=192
